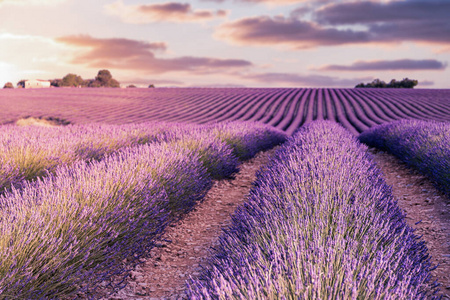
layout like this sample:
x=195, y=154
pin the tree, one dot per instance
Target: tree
x=377, y=83
x=72, y=80
x=56, y=82
x=104, y=79
x=131, y=86
x=151, y=86
x=21, y=83
x=408, y=83
x=8, y=85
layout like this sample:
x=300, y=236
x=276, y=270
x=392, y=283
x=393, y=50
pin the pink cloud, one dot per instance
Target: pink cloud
x=30, y=2
x=127, y=54
x=270, y=2
x=280, y=31
x=309, y=80
x=388, y=65
x=393, y=22
x=161, y=12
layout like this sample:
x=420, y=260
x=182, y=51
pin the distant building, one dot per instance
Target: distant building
x=32, y=84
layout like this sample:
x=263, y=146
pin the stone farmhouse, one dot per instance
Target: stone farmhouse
x=37, y=84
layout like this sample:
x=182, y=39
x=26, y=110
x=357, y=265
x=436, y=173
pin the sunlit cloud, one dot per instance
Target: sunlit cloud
x=146, y=81
x=270, y=2
x=362, y=22
x=307, y=80
x=30, y=2
x=388, y=65
x=280, y=31
x=161, y=12
x=45, y=60
x=135, y=55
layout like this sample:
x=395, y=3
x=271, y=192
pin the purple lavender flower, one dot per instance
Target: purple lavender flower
x=319, y=223
x=423, y=145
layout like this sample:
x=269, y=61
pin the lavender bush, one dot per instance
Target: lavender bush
x=30, y=152
x=423, y=145
x=320, y=223
x=247, y=138
x=66, y=233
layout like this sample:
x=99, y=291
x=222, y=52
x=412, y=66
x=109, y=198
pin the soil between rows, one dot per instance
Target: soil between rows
x=187, y=243
x=423, y=203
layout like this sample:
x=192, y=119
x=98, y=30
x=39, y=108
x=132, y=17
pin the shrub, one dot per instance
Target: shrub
x=8, y=85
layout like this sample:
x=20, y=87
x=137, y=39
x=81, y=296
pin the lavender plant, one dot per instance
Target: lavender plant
x=217, y=156
x=423, y=145
x=319, y=223
x=248, y=138
x=68, y=232
x=30, y=152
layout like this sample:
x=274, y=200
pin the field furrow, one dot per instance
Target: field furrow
x=284, y=108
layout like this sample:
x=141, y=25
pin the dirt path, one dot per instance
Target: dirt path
x=421, y=201
x=164, y=274
x=187, y=243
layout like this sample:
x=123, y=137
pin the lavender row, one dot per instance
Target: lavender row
x=319, y=223
x=284, y=108
x=424, y=145
x=30, y=152
x=33, y=151
x=66, y=233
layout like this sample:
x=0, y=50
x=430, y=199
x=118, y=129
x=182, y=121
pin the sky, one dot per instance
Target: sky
x=227, y=43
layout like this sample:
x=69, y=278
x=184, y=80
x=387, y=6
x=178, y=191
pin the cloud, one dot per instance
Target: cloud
x=345, y=23
x=127, y=54
x=280, y=31
x=30, y=2
x=161, y=12
x=271, y=2
x=426, y=83
x=145, y=82
x=309, y=80
x=418, y=20
x=364, y=12
x=388, y=65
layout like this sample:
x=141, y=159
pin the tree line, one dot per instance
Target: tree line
x=103, y=79
x=377, y=83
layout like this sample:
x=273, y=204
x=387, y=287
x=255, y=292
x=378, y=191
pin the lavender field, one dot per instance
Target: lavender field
x=68, y=221
x=284, y=108
x=319, y=223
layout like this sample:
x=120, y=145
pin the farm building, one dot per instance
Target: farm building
x=37, y=84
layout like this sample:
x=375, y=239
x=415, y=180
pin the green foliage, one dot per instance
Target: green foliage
x=104, y=79
x=131, y=86
x=56, y=82
x=21, y=83
x=8, y=85
x=72, y=80
x=151, y=86
x=377, y=83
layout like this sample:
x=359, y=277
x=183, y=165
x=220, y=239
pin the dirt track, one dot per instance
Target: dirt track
x=188, y=242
